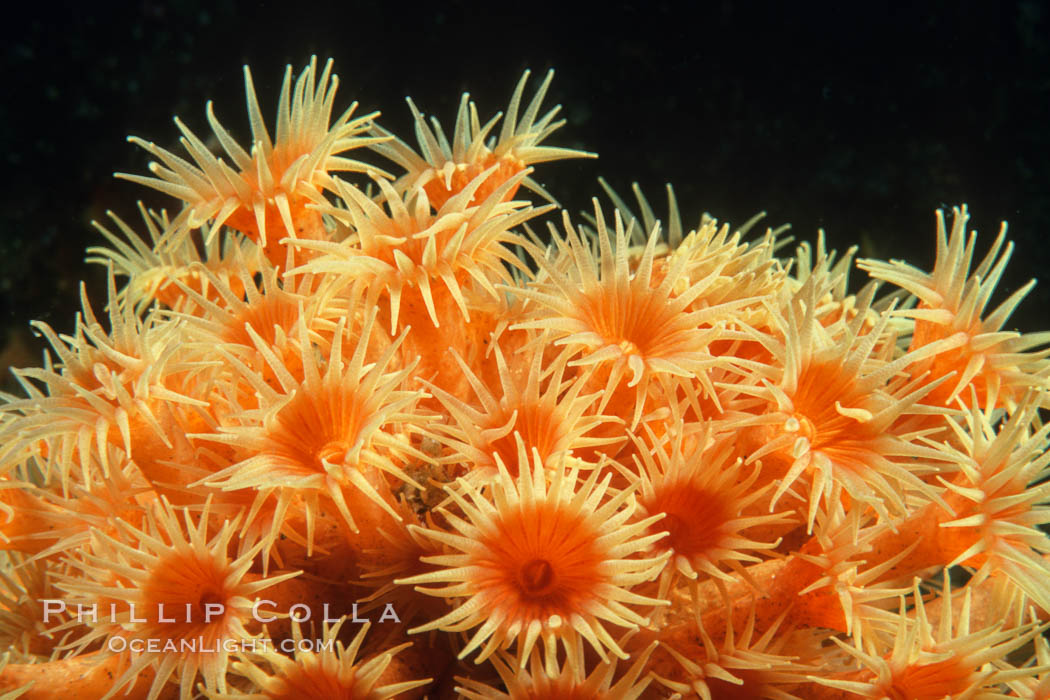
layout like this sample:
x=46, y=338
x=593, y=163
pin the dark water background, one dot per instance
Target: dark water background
x=860, y=122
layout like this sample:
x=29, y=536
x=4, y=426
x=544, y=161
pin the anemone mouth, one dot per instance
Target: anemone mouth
x=543, y=562
x=637, y=321
x=333, y=452
x=274, y=311
x=693, y=517
x=209, y=597
x=315, y=429
x=186, y=597
x=536, y=578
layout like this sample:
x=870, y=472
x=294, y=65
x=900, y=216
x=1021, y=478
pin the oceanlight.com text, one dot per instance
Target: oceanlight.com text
x=200, y=645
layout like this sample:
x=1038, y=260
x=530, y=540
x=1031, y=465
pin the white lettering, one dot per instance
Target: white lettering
x=212, y=610
x=94, y=612
x=389, y=614
x=255, y=611
x=298, y=606
x=53, y=606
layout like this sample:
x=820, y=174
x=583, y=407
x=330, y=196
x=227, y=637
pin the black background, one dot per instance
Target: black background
x=858, y=122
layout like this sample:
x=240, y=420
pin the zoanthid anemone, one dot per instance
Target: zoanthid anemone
x=437, y=271
x=708, y=502
x=831, y=405
x=561, y=683
x=333, y=673
x=334, y=432
x=538, y=402
x=614, y=316
x=736, y=269
x=168, y=595
x=272, y=309
x=152, y=272
x=424, y=261
x=276, y=180
x=739, y=663
x=540, y=560
x=260, y=300
x=1000, y=365
x=104, y=390
x=998, y=497
x=47, y=520
x=919, y=662
x=446, y=169
x=25, y=586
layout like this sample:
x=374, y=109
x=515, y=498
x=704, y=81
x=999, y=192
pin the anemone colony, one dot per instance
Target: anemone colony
x=610, y=460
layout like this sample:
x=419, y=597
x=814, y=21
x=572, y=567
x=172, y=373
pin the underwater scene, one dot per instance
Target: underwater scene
x=524, y=386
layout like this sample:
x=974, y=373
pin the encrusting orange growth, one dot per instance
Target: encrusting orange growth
x=349, y=434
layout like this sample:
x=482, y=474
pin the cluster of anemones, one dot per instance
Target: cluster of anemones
x=608, y=462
